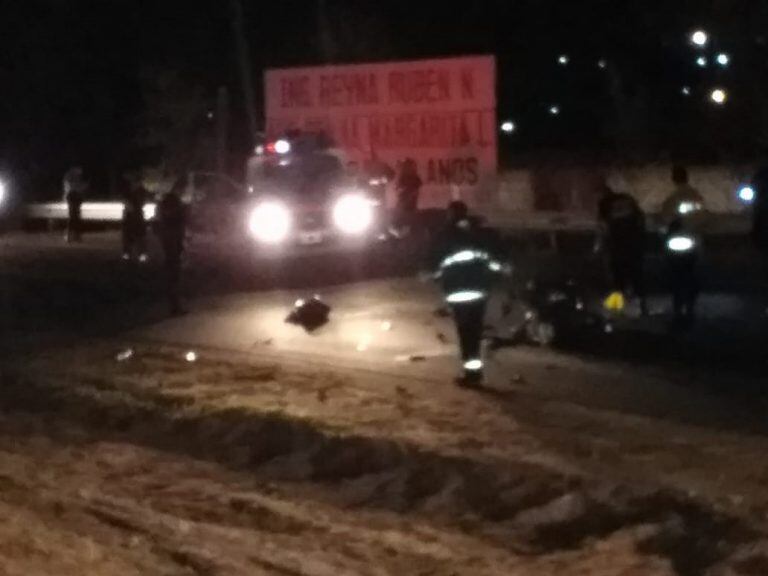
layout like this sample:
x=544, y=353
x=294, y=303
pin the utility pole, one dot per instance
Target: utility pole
x=244, y=63
x=222, y=129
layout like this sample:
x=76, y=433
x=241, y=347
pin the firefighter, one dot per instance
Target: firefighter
x=682, y=255
x=683, y=214
x=408, y=189
x=172, y=223
x=622, y=238
x=134, y=224
x=464, y=262
x=75, y=187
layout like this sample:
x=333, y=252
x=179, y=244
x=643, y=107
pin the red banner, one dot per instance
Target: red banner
x=441, y=113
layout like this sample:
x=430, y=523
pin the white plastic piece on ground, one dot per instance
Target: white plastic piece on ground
x=386, y=326
x=465, y=296
x=190, y=356
x=681, y=244
x=124, y=355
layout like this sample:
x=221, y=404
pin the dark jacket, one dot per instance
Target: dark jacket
x=134, y=199
x=465, y=256
x=172, y=223
x=623, y=224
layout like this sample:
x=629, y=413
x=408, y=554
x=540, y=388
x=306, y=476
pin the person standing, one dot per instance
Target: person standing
x=172, y=224
x=622, y=236
x=408, y=189
x=134, y=224
x=683, y=214
x=75, y=187
x=463, y=259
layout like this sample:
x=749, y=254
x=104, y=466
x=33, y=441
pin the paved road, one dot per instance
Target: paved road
x=382, y=316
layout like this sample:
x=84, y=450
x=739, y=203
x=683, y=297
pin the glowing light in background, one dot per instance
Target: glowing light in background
x=686, y=90
x=746, y=194
x=700, y=38
x=508, y=127
x=701, y=62
x=563, y=60
x=719, y=96
x=723, y=59
x=554, y=110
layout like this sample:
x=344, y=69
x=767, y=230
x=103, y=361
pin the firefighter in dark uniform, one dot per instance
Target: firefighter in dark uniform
x=463, y=258
x=172, y=224
x=622, y=237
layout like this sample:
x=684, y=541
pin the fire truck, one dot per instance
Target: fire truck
x=301, y=192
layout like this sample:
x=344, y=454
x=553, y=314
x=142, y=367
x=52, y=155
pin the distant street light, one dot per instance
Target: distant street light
x=554, y=110
x=563, y=60
x=747, y=194
x=701, y=61
x=508, y=127
x=686, y=90
x=700, y=38
x=602, y=63
x=719, y=96
x=723, y=59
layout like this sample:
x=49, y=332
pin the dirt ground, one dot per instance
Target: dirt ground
x=231, y=465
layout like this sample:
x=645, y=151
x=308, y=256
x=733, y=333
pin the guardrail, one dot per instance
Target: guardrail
x=90, y=211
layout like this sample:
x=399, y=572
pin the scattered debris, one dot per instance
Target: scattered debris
x=124, y=355
x=322, y=396
x=417, y=358
x=309, y=314
x=518, y=379
x=386, y=326
x=443, y=338
x=190, y=356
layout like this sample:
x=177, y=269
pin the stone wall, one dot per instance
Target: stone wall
x=575, y=190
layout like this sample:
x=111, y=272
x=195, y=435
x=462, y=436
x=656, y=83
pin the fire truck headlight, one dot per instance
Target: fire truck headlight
x=353, y=214
x=270, y=222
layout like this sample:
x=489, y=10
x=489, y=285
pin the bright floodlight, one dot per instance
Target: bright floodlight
x=701, y=62
x=282, y=146
x=700, y=38
x=554, y=110
x=353, y=214
x=563, y=60
x=723, y=59
x=508, y=127
x=747, y=194
x=270, y=222
x=719, y=96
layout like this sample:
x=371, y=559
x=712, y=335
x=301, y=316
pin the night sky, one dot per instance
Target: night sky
x=74, y=72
